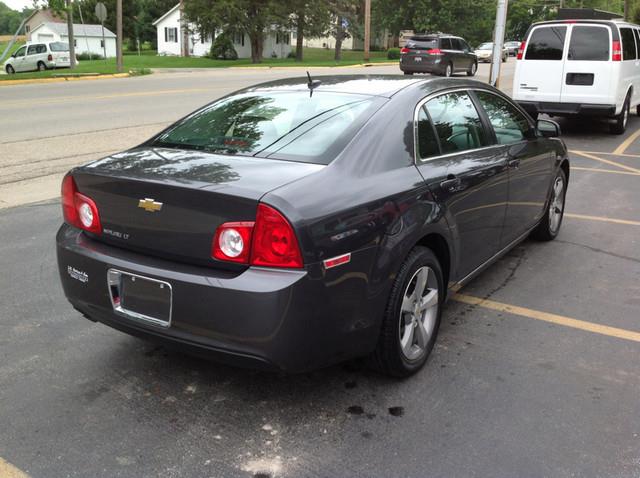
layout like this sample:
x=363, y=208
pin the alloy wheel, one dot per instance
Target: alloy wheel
x=448, y=71
x=556, y=207
x=418, y=313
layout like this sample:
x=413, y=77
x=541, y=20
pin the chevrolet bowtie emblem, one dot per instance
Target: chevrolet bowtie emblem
x=149, y=205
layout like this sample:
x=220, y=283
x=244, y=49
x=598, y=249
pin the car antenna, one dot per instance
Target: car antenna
x=311, y=84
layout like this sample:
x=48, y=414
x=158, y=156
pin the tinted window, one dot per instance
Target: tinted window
x=465, y=45
x=21, y=51
x=427, y=142
x=628, y=44
x=247, y=123
x=546, y=43
x=32, y=50
x=59, y=46
x=508, y=123
x=423, y=43
x=589, y=44
x=456, y=44
x=637, y=34
x=445, y=44
x=457, y=122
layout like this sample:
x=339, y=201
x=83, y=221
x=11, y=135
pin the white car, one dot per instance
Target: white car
x=38, y=56
x=485, y=51
x=580, y=67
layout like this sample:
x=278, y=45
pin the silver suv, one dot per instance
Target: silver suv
x=38, y=56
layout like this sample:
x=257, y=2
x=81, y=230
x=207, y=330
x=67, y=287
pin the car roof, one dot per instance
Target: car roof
x=373, y=85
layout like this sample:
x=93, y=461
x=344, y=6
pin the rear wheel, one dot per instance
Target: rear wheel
x=448, y=70
x=619, y=126
x=10, y=70
x=472, y=69
x=550, y=223
x=41, y=66
x=412, y=318
x=408, y=72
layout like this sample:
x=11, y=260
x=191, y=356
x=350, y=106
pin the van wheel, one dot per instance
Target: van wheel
x=620, y=124
x=412, y=317
x=472, y=69
x=41, y=66
x=10, y=70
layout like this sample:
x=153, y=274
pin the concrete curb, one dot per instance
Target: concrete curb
x=63, y=78
x=301, y=67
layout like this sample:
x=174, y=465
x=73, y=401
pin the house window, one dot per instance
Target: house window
x=170, y=35
x=27, y=28
x=75, y=43
x=101, y=43
x=282, y=37
x=238, y=38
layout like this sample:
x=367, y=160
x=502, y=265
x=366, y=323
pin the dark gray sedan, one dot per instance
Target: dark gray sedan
x=300, y=223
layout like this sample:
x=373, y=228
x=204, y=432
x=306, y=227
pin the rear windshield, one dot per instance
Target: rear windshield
x=546, y=43
x=289, y=125
x=59, y=46
x=589, y=44
x=424, y=43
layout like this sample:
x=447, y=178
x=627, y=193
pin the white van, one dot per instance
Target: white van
x=38, y=56
x=580, y=67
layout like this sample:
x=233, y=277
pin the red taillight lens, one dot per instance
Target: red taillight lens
x=521, y=50
x=50, y=58
x=79, y=210
x=232, y=242
x=404, y=51
x=274, y=241
x=616, y=51
x=435, y=51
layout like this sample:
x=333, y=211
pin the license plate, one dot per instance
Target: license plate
x=417, y=59
x=64, y=58
x=140, y=298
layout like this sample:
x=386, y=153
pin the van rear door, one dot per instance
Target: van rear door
x=539, y=74
x=587, y=73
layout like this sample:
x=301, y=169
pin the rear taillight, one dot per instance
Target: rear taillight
x=404, y=51
x=232, y=242
x=521, y=50
x=270, y=241
x=50, y=57
x=435, y=51
x=616, y=51
x=79, y=210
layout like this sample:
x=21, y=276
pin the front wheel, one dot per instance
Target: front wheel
x=10, y=70
x=472, y=69
x=550, y=223
x=412, y=317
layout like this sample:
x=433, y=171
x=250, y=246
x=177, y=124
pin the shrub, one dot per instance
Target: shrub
x=84, y=56
x=292, y=54
x=139, y=71
x=222, y=49
x=393, y=53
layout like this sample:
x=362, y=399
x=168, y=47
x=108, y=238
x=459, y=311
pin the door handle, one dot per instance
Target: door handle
x=451, y=184
x=514, y=163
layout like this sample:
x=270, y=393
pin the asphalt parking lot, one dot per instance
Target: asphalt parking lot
x=535, y=372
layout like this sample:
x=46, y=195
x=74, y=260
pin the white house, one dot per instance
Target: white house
x=87, y=38
x=276, y=43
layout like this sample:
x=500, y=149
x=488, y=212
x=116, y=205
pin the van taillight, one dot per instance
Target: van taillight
x=79, y=210
x=270, y=241
x=521, y=50
x=404, y=51
x=616, y=51
x=435, y=52
x=50, y=57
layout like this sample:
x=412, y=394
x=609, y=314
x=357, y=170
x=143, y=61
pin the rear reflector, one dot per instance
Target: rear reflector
x=521, y=50
x=616, y=51
x=336, y=261
x=79, y=210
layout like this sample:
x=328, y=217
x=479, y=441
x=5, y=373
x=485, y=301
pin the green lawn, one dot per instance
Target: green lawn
x=312, y=56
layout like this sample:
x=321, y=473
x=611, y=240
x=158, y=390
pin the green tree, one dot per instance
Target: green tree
x=10, y=19
x=307, y=18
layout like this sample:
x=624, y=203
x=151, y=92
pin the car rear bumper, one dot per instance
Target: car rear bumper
x=568, y=108
x=260, y=318
x=425, y=66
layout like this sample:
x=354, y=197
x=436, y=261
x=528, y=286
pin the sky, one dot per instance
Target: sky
x=18, y=4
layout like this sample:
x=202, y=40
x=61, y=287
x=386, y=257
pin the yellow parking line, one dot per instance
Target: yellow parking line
x=606, y=161
x=603, y=219
x=598, y=170
x=547, y=317
x=626, y=143
x=624, y=155
x=7, y=470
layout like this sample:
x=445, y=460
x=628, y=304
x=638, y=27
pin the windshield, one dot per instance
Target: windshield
x=59, y=46
x=282, y=125
x=485, y=46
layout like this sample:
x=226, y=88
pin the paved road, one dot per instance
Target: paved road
x=49, y=128
x=539, y=379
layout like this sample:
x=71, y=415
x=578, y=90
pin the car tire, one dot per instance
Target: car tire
x=9, y=69
x=472, y=69
x=619, y=126
x=41, y=66
x=408, y=72
x=407, y=336
x=549, y=225
x=448, y=70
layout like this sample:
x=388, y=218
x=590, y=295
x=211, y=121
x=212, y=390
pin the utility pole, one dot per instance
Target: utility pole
x=367, y=28
x=70, y=36
x=498, y=42
x=627, y=10
x=119, y=36
x=184, y=31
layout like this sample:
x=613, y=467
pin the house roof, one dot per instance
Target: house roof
x=50, y=14
x=78, y=30
x=166, y=14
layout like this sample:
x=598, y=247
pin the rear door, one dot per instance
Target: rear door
x=539, y=74
x=628, y=66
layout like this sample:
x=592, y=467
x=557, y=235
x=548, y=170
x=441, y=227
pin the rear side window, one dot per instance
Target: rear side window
x=589, y=44
x=546, y=43
x=422, y=43
x=637, y=34
x=508, y=123
x=427, y=141
x=628, y=44
x=457, y=123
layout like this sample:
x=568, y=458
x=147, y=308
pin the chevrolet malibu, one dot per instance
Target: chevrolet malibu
x=300, y=223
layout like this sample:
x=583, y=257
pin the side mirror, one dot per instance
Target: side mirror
x=548, y=128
